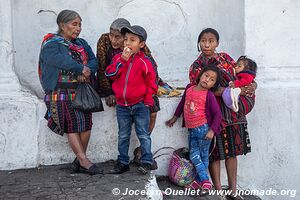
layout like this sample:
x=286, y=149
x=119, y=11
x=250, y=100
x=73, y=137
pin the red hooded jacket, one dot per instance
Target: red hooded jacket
x=133, y=80
x=244, y=78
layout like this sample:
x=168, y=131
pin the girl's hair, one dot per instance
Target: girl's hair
x=66, y=16
x=249, y=64
x=213, y=68
x=207, y=30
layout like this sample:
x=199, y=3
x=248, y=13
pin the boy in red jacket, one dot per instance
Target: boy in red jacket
x=133, y=84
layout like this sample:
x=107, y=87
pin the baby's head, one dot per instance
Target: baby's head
x=209, y=78
x=245, y=63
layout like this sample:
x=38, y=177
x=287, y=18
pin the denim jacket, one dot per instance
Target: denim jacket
x=54, y=56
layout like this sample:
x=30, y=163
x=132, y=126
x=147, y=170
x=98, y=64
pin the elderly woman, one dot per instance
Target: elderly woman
x=110, y=44
x=65, y=60
x=234, y=138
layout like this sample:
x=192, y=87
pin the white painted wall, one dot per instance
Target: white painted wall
x=173, y=28
x=19, y=131
x=264, y=30
x=272, y=38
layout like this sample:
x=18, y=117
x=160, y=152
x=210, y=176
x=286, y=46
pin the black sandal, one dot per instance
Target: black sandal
x=93, y=170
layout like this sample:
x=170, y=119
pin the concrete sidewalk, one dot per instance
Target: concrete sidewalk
x=56, y=182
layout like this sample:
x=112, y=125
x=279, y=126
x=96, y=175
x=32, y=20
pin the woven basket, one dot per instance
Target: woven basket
x=181, y=171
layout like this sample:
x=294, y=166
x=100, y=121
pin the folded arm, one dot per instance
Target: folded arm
x=56, y=55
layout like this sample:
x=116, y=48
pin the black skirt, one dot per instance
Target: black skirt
x=233, y=141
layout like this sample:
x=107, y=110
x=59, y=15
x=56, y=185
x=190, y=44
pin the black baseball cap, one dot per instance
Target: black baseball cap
x=135, y=29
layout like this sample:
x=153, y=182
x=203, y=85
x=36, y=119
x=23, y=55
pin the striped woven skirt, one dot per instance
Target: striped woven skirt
x=61, y=116
x=233, y=141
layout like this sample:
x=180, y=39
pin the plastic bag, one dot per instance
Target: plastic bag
x=87, y=99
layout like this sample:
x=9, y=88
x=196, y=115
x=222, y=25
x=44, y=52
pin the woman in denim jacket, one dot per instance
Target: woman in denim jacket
x=65, y=60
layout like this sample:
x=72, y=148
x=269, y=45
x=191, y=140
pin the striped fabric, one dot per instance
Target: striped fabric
x=57, y=96
x=61, y=116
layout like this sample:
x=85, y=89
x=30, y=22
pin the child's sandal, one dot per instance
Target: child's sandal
x=206, y=186
x=194, y=185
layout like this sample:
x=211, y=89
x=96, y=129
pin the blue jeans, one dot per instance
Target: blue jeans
x=139, y=114
x=199, y=151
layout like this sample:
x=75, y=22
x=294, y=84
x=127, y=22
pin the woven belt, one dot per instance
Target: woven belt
x=54, y=96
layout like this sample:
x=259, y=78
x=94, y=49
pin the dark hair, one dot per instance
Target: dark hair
x=66, y=16
x=207, y=30
x=249, y=64
x=213, y=68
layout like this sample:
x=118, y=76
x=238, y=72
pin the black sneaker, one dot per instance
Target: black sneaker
x=119, y=168
x=145, y=168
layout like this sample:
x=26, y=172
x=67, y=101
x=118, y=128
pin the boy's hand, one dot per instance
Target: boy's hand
x=210, y=135
x=127, y=52
x=171, y=121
